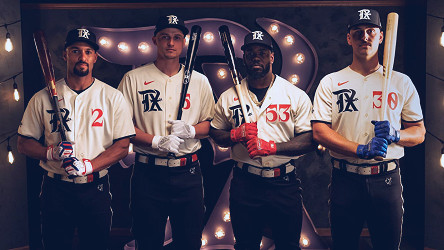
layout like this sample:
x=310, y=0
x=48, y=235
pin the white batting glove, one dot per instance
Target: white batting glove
x=182, y=130
x=60, y=151
x=75, y=167
x=169, y=143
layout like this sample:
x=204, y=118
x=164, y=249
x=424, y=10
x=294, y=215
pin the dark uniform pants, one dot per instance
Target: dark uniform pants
x=66, y=206
x=257, y=202
x=160, y=191
x=376, y=199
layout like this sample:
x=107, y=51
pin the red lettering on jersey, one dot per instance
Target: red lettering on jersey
x=146, y=83
x=275, y=112
x=377, y=103
x=187, y=104
x=392, y=100
x=98, y=121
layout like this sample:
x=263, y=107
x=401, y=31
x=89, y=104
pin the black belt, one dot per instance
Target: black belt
x=165, y=161
x=365, y=169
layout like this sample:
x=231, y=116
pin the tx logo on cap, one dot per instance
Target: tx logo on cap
x=83, y=33
x=172, y=19
x=258, y=35
x=364, y=14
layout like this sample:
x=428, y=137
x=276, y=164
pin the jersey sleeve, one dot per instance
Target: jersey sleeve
x=31, y=125
x=302, y=114
x=125, y=87
x=322, y=103
x=123, y=125
x=207, y=100
x=221, y=115
x=411, y=111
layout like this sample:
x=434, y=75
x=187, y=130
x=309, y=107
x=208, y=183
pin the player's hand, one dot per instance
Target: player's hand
x=74, y=167
x=244, y=132
x=383, y=129
x=169, y=143
x=259, y=147
x=59, y=152
x=376, y=147
x=182, y=130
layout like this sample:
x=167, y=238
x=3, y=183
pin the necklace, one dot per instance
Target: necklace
x=254, y=97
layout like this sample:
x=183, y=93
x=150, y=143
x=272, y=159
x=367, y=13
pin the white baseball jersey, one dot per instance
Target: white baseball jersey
x=284, y=113
x=349, y=102
x=93, y=120
x=154, y=97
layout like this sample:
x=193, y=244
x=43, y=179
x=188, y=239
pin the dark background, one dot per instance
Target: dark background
x=323, y=24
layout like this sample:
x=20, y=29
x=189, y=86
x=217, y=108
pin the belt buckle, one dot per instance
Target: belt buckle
x=374, y=169
x=276, y=172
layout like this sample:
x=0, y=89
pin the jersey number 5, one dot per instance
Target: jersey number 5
x=275, y=112
x=98, y=121
x=187, y=104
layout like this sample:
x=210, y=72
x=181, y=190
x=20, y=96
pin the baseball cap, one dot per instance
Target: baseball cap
x=81, y=35
x=365, y=16
x=257, y=38
x=170, y=21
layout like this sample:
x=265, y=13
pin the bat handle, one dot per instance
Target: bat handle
x=378, y=158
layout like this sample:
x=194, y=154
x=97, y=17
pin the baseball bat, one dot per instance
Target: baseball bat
x=48, y=72
x=225, y=37
x=391, y=32
x=193, y=45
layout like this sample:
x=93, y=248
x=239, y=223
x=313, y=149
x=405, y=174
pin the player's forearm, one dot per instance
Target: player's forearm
x=142, y=138
x=31, y=148
x=327, y=137
x=202, y=129
x=221, y=137
x=111, y=155
x=412, y=134
x=301, y=144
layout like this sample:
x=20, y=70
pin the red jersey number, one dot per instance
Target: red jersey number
x=187, y=104
x=97, y=116
x=275, y=112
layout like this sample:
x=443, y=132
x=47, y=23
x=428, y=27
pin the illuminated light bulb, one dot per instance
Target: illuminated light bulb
x=8, y=44
x=274, y=28
x=221, y=73
x=187, y=40
x=233, y=39
x=123, y=47
x=204, y=242
x=105, y=42
x=143, y=47
x=305, y=242
x=10, y=155
x=227, y=217
x=299, y=58
x=208, y=37
x=442, y=157
x=442, y=36
x=16, y=93
x=294, y=79
x=261, y=245
x=130, y=148
x=219, y=234
x=289, y=39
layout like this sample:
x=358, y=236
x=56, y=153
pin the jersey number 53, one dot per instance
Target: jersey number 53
x=279, y=112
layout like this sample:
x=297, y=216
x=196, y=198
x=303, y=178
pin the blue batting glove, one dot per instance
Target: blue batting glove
x=376, y=147
x=383, y=129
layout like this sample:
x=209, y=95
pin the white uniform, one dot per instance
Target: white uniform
x=284, y=113
x=93, y=120
x=153, y=98
x=349, y=102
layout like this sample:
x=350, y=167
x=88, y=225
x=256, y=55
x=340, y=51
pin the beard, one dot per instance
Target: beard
x=81, y=72
x=257, y=74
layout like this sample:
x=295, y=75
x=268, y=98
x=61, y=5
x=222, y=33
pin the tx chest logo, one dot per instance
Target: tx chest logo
x=346, y=99
x=65, y=119
x=238, y=116
x=151, y=100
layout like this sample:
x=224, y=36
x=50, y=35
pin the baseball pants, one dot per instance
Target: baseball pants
x=66, y=206
x=375, y=199
x=257, y=202
x=160, y=191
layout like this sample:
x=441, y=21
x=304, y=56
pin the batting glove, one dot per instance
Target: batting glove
x=61, y=151
x=182, y=130
x=244, y=132
x=169, y=143
x=376, y=147
x=383, y=129
x=74, y=167
x=259, y=147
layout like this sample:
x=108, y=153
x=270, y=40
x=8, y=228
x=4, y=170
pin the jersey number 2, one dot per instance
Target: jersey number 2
x=98, y=121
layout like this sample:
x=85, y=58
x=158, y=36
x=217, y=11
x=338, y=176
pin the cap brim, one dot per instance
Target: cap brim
x=245, y=46
x=180, y=27
x=93, y=45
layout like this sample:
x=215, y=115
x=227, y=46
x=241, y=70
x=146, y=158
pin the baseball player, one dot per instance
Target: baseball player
x=75, y=191
x=163, y=186
x=265, y=190
x=345, y=120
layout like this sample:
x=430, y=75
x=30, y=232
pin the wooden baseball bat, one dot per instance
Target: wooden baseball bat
x=48, y=72
x=391, y=32
x=225, y=37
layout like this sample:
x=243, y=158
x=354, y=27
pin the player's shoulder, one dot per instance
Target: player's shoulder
x=401, y=76
x=287, y=86
x=144, y=69
x=228, y=93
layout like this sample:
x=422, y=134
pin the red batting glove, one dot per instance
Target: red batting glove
x=259, y=147
x=244, y=132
